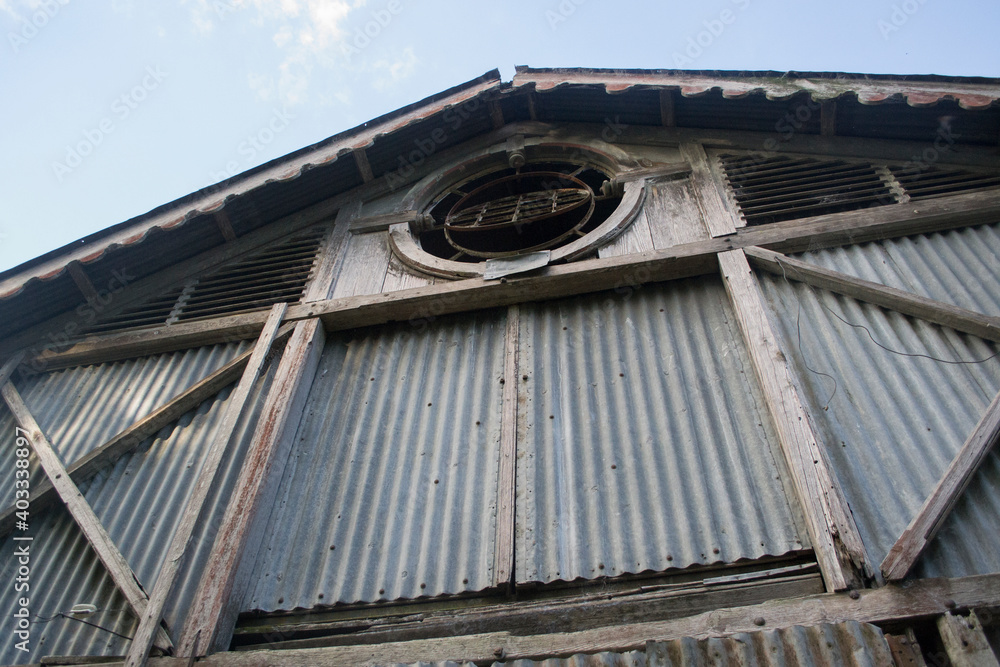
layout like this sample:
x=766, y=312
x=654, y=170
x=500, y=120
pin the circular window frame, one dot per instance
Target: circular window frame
x=403, y=237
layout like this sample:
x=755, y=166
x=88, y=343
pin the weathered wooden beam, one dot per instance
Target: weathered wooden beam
x=149, y=620
x=496, y=114
x=379, y=223
x=84, y=516
x=667, y=108
x=9, y=366
x=82, y=281
x=213, y=613
x=44, y=493
x=579, y=277
x=331, y=255
x=225, y=225
x=965, y=642
x=919, y=600
x=938, y=312
x=503, y=562
x=828, y=118
x=832, y=531
x=719, y=219
x=925, y=525
x=364, y=167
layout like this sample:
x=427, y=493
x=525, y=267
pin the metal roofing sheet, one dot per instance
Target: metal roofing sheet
x=81, y=408
x=973, y=93
x=847, y=644
x=643, y=445
x=390, y=491
x=960, y=266
x=139, y=501
x=892, y=423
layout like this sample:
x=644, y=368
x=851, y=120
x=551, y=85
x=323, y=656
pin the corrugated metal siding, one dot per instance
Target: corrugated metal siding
x=391, y=490
x=81, y=408
x=960, y=266
x=848, y=643
x=643, y=445
x=896, y=422
x=139, y=501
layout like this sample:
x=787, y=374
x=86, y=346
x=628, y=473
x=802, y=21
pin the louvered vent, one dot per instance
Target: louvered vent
x=788, y=187
x=278, y=273
x=941, y=182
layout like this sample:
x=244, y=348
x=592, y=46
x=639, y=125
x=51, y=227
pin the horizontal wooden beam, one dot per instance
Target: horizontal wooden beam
x=44, y=494
x=925, y=525
x=84, y=516
x=919, y=600
x=938, y=312
x=579, y=277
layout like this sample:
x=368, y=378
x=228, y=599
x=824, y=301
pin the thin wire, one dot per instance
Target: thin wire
x=798, y=331
x=42, y=619
x=889, y=349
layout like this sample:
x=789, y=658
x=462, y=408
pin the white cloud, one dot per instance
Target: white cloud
x=393, y=70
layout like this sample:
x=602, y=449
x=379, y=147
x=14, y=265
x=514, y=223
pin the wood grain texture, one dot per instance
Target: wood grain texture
x=213, y=612
x=831, y=526
x=674, y=215
x=400, y=277
x=84, y=516
x=193, y=512
x=331, y=253
x=965, y=642
x=925, y=525
x=938, y=312
x=719, y=219
x=635, y=239
x=916, y=601
x=503, y=562
x=364, y=267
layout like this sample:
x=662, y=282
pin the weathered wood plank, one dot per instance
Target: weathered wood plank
x=365, y=264
x=719, y=219
x=917, y=601
x=84, y=516
x=44, y=494
x=634, y=240
x=965, y=642
x=503, y=562
x=382, y=222
x=82, y=281
x=364, y=167
x=213, y=613
x=400, y=277
x=564, y=280
x=674, y=215
x=9, y=366
x=938, y=312
x=925, y=525
x=149, y=620
x=831, y=526
x=331, y=255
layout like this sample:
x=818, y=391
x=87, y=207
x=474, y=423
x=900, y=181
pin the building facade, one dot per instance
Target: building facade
x=590, y=367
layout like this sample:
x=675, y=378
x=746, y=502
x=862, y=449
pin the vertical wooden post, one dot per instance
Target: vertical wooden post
x=193, y=511
x=965, y=641
x=213, y=614
x=834, y=535
x=503, y=562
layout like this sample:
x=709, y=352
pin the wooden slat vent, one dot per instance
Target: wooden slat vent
x=931, y=181
x=785, y=187
x=256, y=281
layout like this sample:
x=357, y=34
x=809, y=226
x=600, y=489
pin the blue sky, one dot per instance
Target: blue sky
x=113, y=107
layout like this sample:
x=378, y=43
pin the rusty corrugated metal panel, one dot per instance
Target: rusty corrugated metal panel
x=895, y=422
x=643, y=444
x=214, y=198
x=139, y=501
x=390, y=490
x=870, y=89
x=81, y=408
x=960, y=266
x=848, y=644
